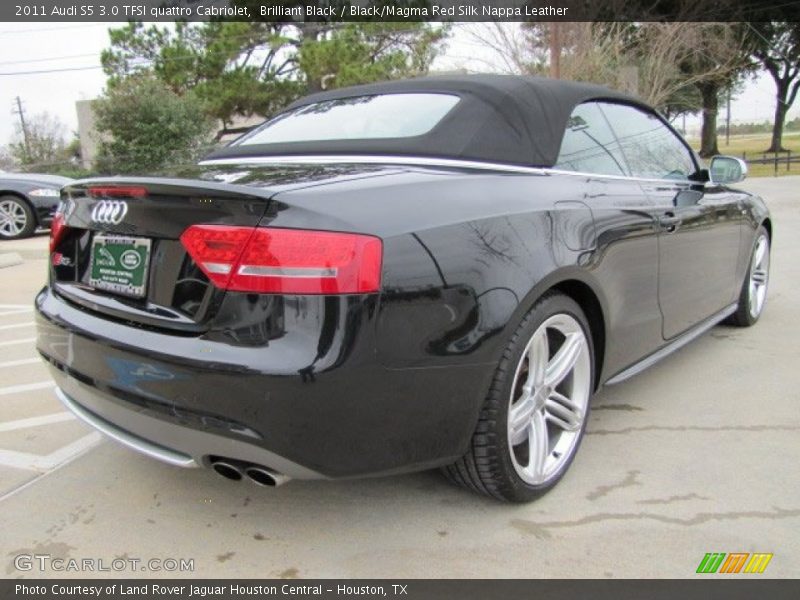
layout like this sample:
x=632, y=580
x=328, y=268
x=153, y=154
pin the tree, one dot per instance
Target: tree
x=6, y=160
x=679, y=67
x=366, y=52
x=233, y=68
x=147, y=126
x=722, y=57
x=256, y=68
x=777, y=47
x=41, y=145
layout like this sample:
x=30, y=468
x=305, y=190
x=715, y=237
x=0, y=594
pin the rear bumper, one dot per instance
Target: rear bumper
x=293, y=404
x=176, y=445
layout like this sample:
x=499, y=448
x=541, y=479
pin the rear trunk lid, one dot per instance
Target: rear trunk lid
x=120, y=254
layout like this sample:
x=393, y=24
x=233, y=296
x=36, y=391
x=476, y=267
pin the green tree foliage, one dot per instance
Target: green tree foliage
x=256, y=68
x=233, y=68
x=145, y=126
x=367, y=52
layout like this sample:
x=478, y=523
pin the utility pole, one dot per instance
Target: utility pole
x=555, y=50
x=21, y=114
x=728, y=121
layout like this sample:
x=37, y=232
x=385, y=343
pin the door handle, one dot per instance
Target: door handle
x=669, y=222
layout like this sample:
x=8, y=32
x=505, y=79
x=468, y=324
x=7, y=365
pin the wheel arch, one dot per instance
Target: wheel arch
x=577, y=285
x=767, y=223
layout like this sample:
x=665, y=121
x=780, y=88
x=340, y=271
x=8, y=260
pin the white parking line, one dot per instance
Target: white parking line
x=81, y=451
x=36, y=462
x=23, y=306
x=15, y=342
x=20, y=362
x=36, y=421
x=26, y=387
x=15, y=311
x=17, y=325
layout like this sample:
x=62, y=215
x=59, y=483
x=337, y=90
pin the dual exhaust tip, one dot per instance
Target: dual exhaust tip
x=236, y=471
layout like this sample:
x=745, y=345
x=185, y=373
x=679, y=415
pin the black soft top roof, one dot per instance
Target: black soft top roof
x=500, y=118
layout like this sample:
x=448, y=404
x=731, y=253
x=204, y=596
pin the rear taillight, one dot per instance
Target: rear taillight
x=58, y=230
x=285, y=261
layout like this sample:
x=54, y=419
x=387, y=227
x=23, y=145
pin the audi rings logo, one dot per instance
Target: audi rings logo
x=109, y=212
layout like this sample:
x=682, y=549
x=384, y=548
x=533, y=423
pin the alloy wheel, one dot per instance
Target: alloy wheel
x=549, y=399
x=13, y=218
x=759, y=276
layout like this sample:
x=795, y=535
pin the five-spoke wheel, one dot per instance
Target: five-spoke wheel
x=549, y=399
x=533, y=419
x=753, y=294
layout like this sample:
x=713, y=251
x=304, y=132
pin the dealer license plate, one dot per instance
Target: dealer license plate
x=120, y=264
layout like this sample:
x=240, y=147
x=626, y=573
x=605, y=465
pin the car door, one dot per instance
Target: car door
x=698, y=224
x=625, y=263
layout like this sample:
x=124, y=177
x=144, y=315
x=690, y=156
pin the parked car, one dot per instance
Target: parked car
x=27, y=201
x=437, y=272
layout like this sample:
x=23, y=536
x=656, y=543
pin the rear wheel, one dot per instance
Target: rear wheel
x=16, y=218
x=753, y=295
x=534, y=417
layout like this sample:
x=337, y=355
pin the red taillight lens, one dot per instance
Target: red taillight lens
x=58, y=230
x=117, y=191
x=286, y=261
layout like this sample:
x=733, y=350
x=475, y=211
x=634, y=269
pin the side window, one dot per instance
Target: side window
x=651, y=149
x=589, y=145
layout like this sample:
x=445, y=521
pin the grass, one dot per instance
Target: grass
x=753, y=146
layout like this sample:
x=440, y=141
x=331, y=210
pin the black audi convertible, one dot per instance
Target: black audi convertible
x=436, y=272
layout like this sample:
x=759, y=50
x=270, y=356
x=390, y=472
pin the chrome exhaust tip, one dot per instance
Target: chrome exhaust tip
x=264, y=477
x=227, y=470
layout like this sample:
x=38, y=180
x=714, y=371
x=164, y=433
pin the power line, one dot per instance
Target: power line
x=84, y=26
x=51, y=71
x=142, y=62
x=40, y=60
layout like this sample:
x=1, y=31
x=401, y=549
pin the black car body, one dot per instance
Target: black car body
x=32, y=198
x=390, y=372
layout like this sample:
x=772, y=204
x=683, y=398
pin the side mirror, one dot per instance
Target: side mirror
x=727, y=169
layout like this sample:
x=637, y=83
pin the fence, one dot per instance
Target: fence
x=778, y=159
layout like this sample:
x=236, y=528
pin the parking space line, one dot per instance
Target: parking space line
x=17, y=325
x=26, y=387
x=16, y=342
x=86, y=448
x=20, y=362
x=25, y=306
x=36, y=421
x=36, y=462
x=15, y=311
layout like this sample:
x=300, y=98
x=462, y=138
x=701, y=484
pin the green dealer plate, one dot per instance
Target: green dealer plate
x=120, y=264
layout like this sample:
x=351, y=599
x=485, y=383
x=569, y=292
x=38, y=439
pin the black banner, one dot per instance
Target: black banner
x=397, y=10
x=414, y=589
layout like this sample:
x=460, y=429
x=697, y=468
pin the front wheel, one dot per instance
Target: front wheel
x=753, y=295
x=534, y=417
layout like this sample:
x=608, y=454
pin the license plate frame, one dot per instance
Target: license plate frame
x=120, y=264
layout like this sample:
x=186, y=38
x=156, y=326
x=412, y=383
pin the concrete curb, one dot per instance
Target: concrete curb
x=10, y=259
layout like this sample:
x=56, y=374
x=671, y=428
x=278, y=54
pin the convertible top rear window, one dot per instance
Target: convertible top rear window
x=359, y=117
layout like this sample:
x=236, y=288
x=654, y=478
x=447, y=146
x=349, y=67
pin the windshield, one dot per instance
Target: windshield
x=360, y=117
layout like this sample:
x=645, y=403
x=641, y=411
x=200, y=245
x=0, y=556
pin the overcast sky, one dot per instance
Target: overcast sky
x=50, y=46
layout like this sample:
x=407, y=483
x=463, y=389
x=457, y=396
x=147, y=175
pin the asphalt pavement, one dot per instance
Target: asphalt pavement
x=698, y=454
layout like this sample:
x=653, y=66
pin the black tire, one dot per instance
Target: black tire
x=24, y=209
x=744, y=317
x=487, y=467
